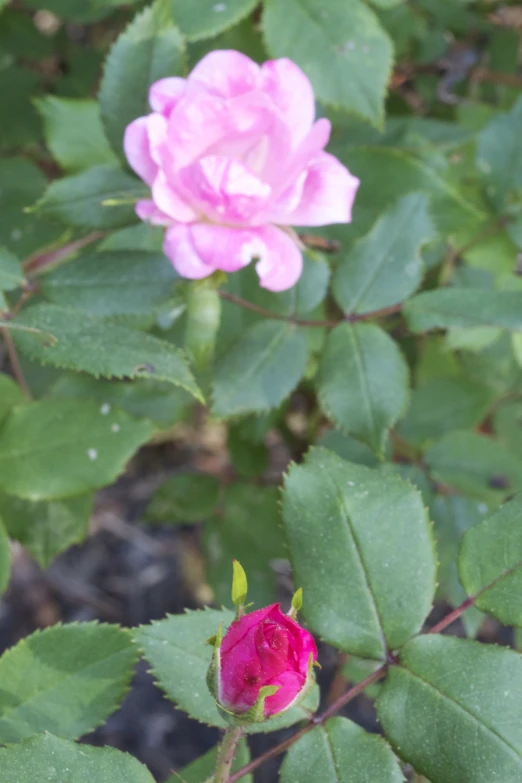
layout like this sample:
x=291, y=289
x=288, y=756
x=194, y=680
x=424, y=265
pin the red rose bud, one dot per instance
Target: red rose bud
x=262, y=666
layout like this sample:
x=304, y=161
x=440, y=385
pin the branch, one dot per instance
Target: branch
x=35, y=263
x=352, y=318
x=14, y=361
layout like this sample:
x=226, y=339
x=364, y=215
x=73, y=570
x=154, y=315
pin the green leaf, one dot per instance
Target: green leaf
x=246, y=527
x=452, y=516
x=203, y=768
x=22, y=184
x=363, y=382
x=188, y=497
x=356, y=578
x=10, y=395
x=453, y=709
x=490, y=563
x=506, y=423
x=239, y=584
x=160, y=402
x=348, y=448
x=341, y=47
x=47, y=529
x=385, y=267
x=5, y=558
x=260, y=370
x=21, y=126
x=475, y=464
x=101, y=197
x=64, y=762
x=340, y=752
x=112, y=283
x=209, y=17
x=66, y=680
x=177, y=649
x=74, y=132
x=499, y=156
x=151, y=48
x=57, y=448
x=11, y=273
x=442, y=405
x=101, y=348
x=451, y=307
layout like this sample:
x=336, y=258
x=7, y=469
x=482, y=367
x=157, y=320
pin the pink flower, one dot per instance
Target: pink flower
x=233, y=157
x=264, y=648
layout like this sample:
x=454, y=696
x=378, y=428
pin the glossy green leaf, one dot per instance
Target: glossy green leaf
x=453, y=709
x=499, y=156
x=5, y=558
x=358, y=539
x=460, y=307
x=385, y=267
x=100, y=197
x=74, y=132
x=112, y=283
x=57, y=448
x=202, y=769
x=490, y=563
x=151, y=48
x=179, y=654
x=22, y=184
x=187, y=497
x=363, y=382
x=158, y=401
x=340, y=46
x=59, y=761
x=47, y=529
x=245, y=527
x=475, y=464
x=340, y=752
x=10, y=395
x=66, y=680
x=101, y=348
x=452, y=516
x=260, y=370
x=209, y=17
x=11, y=273
x=442, y=405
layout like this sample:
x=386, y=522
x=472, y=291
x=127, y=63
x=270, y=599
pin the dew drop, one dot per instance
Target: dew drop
x=92, y=454
x=105, y=409
x=219, y=7
x=115, y=428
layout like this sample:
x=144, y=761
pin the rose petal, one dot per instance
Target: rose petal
x=136, y=144
x=225, y=189
x=290, y=686
x=226, y=248
x=281, y=262
x=240, y=628
x=291, y=91
x=226, y=73
x=147, y=210
x=328, y=194
x=170, y=202
x=165, y=93
x=179, y=248
x=198, y=121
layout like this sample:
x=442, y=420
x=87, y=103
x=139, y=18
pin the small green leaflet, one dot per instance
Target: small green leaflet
x=460, y=307
x=453, y=709
x=5, y=558
x=66, y=679
x=53, y=449
x=11, y=273
x=340, y=752
x=59, y=761
x=207, y=18
x=81, y=342
x=340, y=46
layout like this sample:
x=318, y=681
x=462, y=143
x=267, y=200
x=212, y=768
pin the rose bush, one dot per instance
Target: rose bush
x=233, y=157
x=264, y=648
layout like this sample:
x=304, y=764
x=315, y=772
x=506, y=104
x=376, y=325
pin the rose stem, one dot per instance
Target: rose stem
x=226, y=754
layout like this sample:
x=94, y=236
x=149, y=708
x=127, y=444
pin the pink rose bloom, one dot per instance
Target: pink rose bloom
x=233, y=157
x=265, y=647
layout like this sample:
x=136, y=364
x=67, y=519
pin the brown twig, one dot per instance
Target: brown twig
x=14, y=361
x=38, y=262
x=352, y=318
